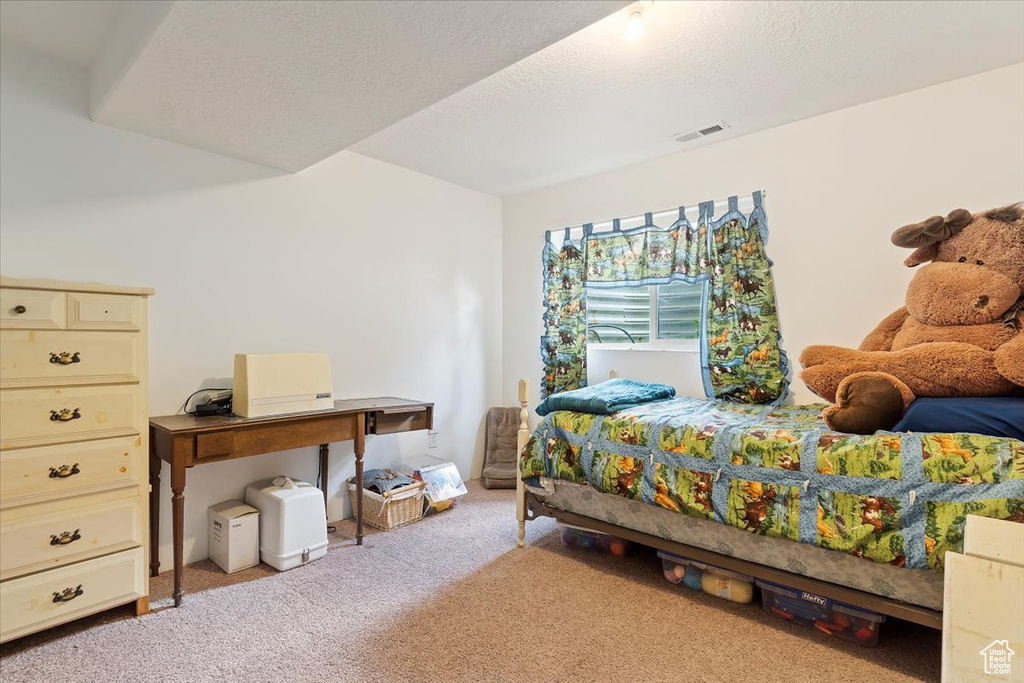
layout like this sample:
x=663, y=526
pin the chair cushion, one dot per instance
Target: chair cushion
x=500, y=470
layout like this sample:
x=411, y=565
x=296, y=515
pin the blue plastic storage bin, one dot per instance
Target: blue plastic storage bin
x=816, y=611
x=722, y=583
x=579, y=537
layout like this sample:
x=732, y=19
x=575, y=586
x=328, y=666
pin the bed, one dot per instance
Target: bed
x=771, y=492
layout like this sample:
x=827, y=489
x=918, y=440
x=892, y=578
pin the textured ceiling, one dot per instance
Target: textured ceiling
x=493, y=95
x=596, y=101
x=70, y=31
x=287, y=84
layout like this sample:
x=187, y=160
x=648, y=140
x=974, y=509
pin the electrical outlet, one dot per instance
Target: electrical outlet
x=432, y=439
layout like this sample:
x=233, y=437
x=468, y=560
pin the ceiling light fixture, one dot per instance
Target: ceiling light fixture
x=636, y=25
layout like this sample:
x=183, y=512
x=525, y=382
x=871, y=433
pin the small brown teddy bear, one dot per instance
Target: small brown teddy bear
x=958, y=335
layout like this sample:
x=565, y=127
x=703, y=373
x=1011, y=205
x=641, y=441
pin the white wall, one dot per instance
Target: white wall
x=837, y=186
x=677, y=368
x=397, y=275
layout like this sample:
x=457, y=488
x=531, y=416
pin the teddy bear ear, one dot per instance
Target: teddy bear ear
x=922, y=255
x=932, y=230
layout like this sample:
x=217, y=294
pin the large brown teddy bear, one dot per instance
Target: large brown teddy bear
x=958, y=335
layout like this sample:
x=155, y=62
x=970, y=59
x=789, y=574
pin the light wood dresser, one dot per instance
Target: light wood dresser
x=74, y=488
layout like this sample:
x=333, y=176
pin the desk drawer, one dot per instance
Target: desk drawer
x=35, y=602
x=33, y=309
x=31, y=475
x=215, y=445
x=36, y=417
x=33, y=543
x=400, y=420
x=43, y=358
x=104, y=311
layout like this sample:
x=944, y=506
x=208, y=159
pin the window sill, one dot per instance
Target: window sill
x=688, y=346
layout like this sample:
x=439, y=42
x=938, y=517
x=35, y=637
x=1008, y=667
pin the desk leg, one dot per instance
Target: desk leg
x=154, y=510
x=360, y=448
x=178, y=509
x=324, y=452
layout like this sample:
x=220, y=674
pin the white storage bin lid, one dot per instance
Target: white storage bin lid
x=704, y=566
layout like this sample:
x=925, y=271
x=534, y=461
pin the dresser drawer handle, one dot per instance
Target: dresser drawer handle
x=63, y=472
x=19, y=309
x=68, y=594
x=64, y=415
x=65, y=538
x=65, y=358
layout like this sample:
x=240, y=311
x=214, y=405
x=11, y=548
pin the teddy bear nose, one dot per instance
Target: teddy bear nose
x=982, y=302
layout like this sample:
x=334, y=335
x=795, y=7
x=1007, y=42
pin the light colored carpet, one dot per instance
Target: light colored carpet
x=451, y=598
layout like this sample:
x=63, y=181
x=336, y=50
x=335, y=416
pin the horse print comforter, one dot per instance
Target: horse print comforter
x=896, y=498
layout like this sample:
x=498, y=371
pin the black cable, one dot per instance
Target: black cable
x=614, y=327
x=199, y=391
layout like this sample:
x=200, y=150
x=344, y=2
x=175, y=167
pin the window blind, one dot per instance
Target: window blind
x=642, y=314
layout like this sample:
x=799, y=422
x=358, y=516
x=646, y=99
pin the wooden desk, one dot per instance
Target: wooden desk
x=185, y=441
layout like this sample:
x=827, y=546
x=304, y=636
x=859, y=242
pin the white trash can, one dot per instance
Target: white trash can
x=293, y=524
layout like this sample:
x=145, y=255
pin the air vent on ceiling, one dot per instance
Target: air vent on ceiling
x=710, y=129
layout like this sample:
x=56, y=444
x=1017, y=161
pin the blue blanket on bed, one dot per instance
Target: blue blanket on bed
x=607, y=397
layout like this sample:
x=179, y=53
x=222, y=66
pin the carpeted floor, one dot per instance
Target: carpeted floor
x=451, y=598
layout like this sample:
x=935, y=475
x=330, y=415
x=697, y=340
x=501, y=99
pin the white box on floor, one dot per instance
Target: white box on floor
x=293, y=521
x=234, y=542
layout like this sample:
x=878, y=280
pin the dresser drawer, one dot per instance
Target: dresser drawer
x=104, y=312
x=38, y=542
x=44, y=358
x=36, y=417
x=38, y=601
x=31, y=309
x=30, y=475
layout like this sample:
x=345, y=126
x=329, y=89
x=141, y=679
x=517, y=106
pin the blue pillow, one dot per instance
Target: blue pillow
x=989, y=416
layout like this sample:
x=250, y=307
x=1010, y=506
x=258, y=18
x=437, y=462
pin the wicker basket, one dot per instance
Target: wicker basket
x=392, y=509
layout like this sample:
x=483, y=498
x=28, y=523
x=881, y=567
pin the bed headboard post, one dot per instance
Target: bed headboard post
x=523, y=436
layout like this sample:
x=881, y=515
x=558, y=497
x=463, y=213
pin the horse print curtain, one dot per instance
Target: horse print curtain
x=741, y=345
x=741, y=354
x=564, y=342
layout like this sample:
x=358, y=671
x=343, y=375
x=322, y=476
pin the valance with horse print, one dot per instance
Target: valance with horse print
x=741, y=354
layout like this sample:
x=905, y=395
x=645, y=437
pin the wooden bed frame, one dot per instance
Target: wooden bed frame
x=529, y=506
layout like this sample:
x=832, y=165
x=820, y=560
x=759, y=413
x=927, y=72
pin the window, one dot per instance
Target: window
x=640, y=315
